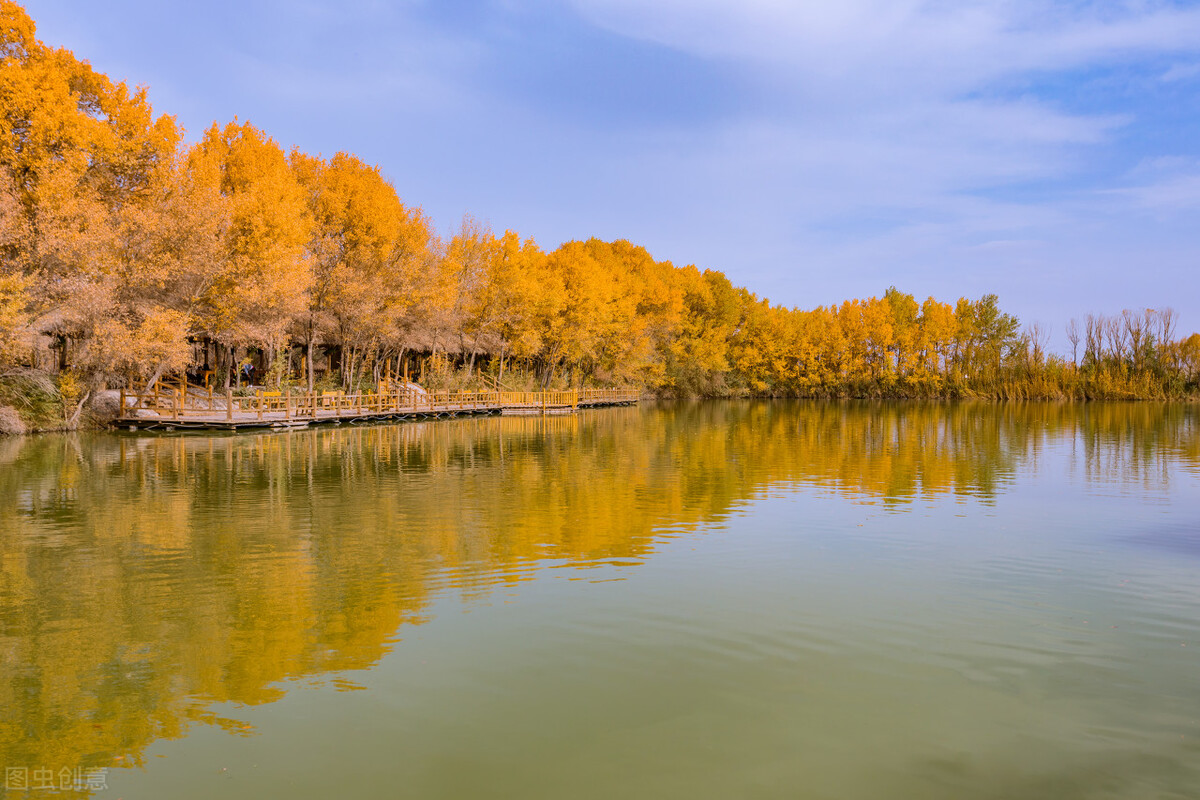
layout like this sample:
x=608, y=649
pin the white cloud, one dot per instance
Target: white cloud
x=913, y=78
x=893, y=103
x=951, y=44
x=1163, y=186
x=1181, y=72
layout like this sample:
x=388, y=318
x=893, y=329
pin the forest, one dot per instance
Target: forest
x=128, y=255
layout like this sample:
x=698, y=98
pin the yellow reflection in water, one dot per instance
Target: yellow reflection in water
x=144, y=578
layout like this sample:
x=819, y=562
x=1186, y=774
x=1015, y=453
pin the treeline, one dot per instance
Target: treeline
x=127, y=255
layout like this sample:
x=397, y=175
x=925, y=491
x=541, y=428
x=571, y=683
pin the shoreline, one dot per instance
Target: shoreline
x=94, y=422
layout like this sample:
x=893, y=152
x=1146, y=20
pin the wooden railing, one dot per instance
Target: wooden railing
x=599, y=396
x=181, y=403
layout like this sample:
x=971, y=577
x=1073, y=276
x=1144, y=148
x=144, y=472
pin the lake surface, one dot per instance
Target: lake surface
x=695, y=600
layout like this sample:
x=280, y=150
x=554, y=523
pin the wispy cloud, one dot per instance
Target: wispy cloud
x=1162, y=186
x=1181, y=72
x=953, y=44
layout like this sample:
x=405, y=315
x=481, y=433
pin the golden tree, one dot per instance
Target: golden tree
x=77, y=153
x=368, y=252
x=263, y=273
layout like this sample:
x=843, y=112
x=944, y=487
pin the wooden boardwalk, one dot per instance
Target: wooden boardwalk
x=193, y=408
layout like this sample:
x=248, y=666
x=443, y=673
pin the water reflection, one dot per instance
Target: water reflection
x=143, y=579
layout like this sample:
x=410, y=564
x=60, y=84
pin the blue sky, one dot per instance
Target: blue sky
x=813, y=151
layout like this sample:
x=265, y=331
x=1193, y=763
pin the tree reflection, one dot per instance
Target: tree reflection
x=143, y=579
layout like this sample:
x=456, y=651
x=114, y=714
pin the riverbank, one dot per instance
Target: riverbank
x=33, y=401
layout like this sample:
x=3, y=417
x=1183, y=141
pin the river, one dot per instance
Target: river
x=687, y=600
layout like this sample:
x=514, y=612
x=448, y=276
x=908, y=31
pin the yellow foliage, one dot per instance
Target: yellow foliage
x=265, y=272
x=14, y=319
x=70, y=386
x=120, y=245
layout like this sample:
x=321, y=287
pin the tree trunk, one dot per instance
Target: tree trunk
x=158, y=371
x=351, y=364
x=73, y=422
x=267, y=356
x=308, y=363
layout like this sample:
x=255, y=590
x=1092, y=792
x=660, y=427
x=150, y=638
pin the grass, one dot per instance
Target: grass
x=35, y=398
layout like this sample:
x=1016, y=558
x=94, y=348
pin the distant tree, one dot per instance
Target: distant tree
x=1073, y=338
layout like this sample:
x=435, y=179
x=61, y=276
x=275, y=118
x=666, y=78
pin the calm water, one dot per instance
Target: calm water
x=715, y=600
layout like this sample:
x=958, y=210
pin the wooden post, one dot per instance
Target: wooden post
x=229, y=405
x=287, y=404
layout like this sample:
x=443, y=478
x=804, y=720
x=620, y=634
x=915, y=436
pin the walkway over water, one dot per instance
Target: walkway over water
x=197, y=408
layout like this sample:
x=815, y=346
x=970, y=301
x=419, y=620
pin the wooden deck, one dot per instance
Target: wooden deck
x=185, y=408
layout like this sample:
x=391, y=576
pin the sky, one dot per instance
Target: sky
x=1047, y=152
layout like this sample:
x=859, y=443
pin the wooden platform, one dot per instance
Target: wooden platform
x=185, y=408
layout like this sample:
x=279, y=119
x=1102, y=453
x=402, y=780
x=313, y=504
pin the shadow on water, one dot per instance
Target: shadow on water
x=143, y=578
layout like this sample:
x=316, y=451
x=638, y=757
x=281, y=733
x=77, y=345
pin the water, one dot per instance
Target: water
x=813, y=600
